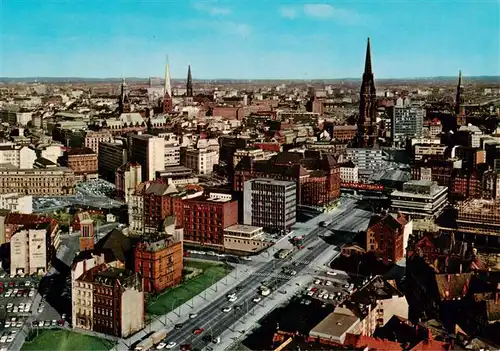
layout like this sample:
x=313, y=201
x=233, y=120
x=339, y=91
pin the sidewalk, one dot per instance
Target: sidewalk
x=197, y=303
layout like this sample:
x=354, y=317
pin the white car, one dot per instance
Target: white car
x=32, y=293
x=320, y=296
x=310, y=293
x=193, y=315
x=40, y=324
x=233, y=298
x=328, y=283
x=161, y=346
x=10, y=338
x=9, y=305
x=331, y=296
x=7, y=324
x=226, y=309
x=19, y=324
x=171, y=345
x=256, y=299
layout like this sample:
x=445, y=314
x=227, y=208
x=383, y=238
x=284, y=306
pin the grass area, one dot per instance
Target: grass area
x=172, y=298
x=64, y=340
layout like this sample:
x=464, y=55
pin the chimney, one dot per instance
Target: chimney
x=496, y=298
x=460, y=268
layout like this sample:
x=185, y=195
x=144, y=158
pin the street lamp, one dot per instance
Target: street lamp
x=172, y=307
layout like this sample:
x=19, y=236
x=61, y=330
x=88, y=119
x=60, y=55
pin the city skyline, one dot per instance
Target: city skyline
x=229, y=40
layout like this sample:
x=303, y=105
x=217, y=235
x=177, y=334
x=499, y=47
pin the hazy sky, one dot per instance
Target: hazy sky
x=248, y=38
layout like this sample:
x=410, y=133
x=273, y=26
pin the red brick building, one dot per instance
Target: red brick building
x=160, y=263
x=466, y=185
x=386, y=237
x=440, y=171
x=317, y=176
x=205, y=220
x=83, y=161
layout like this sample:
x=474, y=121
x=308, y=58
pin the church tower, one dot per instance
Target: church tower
x=124, y=102
x=459, y=102
x=367, y=120
x=189, y=86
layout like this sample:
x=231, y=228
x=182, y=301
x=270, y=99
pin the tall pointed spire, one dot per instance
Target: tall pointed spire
x=460, y=78
x=168, y=85
x=459, y=99
x=368, y=59
x=189, y=84
x=367, y=119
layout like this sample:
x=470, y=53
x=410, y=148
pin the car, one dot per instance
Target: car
x=171, y=345
x=226, y=309
x=193, y=315
x=186, y=347
x=257, y=299
x=10, y=338
x=19, y=324
x=307, y=302
x=310, y=293
x=178, y=326
x=3, y=339
x=31, y=293
x=198, y=331
x=54, y=323
x=161, y=346
x=216, y=340
x=284, y=292
x=9, y=305
x=233, y=298
x=63, y=316
x=15, y=309
x=7, y=324
x=328, y=283
x=331, y=296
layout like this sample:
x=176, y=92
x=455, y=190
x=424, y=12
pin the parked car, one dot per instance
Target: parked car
x=198, y=331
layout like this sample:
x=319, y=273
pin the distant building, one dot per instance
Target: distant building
x=245, y=239
x=42, y=182
x=94, y=138
x=111, y=157
x=270, y=203
x=367, y=160
x=407, y=120
x=172, y=155
x=159, y=261
x=349, y=172
x=19, y=156
x=83, y=161
x=201, y=161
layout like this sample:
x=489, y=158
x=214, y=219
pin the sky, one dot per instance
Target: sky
x=248, y=39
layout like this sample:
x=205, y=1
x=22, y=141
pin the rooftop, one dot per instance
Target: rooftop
x=242, y=228
x=334, y=325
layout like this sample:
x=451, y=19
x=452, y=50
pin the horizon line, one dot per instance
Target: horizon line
x=202, y=79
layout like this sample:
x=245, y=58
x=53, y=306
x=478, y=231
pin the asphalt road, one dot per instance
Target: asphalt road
x=214, y=321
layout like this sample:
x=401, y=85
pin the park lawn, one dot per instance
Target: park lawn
x=172, y=298
x=65, y=340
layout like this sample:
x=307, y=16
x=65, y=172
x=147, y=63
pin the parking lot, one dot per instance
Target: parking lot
x=17, y=297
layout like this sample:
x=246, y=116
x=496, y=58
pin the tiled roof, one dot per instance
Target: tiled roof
x=453, y=285
x=371, y=343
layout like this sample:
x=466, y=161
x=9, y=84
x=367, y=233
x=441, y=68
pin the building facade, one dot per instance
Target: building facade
x=388, y=237
x=201, y=161
x=16, y=203
x=270, y=204
x=128, y=176
x=112, y=155
x=149, y=152
x=30, y=252
x=160, y=263
x=205, y=220
x=20, y=156
x=94, y=138
x=38, y=182
x=83, y=161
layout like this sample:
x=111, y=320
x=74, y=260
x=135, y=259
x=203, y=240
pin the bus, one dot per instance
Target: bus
x=283, y=253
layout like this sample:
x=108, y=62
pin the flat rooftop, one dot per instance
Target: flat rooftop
x=242, y=228
x=334, y=325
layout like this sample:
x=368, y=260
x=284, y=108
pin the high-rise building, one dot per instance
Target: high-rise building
x=111, y=156
x=367, y=120
x=270, y=203
x=407, y=120
x=149, y=152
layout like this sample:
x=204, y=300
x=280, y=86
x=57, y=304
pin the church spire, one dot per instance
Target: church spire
x=459, y=99
x=189, y=84
x=124, y=102
x=168, y=86
x=368, y=59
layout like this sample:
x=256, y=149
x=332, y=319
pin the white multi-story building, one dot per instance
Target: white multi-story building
x=349, y=172
x=149, y=152
x=16, y=203
x=172, y=154
x=28, y=252
x=367, y=160
x=201, y=161
x=51, y=152
x=20, y=156
x=420, y=199
x=407, y=120
x=93, y=138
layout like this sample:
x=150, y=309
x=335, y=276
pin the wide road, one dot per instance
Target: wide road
x=214, y=321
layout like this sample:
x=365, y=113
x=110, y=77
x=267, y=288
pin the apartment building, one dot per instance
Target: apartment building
x=38, y=182
x=388, y=237
x=149, y=152
x=349, y=172
x=172, y=154
x=111, y=301
x=160, y=263
x=20, y=156
x=270, y=203
x=15, y=202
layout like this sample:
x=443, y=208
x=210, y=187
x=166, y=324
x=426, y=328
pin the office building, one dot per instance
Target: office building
x=19, y=156
x=15, y=202
x=111, y=157
x=83, y=161
x=30, y=251
x=201, y=161
x=407, y=121
x=128, y=176
x=94, y=138
x=149, y=152
x=38, y=182
x=270, y=204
